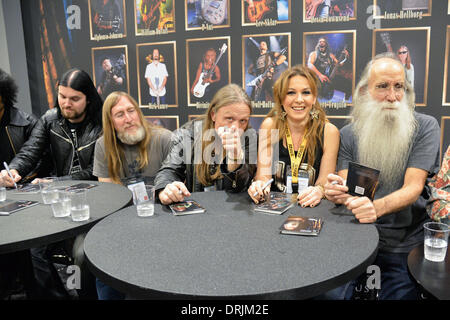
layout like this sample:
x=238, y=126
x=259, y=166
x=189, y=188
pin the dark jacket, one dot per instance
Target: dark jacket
x=52, y=130
x=179, y=164
x=18, y=130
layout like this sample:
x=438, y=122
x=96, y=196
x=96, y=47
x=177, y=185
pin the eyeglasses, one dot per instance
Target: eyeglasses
x=385, y=88
x=402, y=52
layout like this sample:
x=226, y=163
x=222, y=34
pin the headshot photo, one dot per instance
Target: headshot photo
x=208, y=67
x=416, y=6
x=110, y=69
x=107, y=17
x=157, y=74
x=412, y=46
x=331, y=56
x=154, y=16
x=207, y=13
x=322, y=9
x=265, y=57
x=257, y=10
x=167, y=122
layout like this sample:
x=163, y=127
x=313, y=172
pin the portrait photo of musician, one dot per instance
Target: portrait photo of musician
x=411, y=45
x=208, y=67
x=107, y=17
x=331, y=55
x=328, y=8
x=168, y=122
x=395, y=7
x=154, y=16
x=157, y=74
x=265, y=58
x=201, y=14
x=110, y=69
x=254, y=11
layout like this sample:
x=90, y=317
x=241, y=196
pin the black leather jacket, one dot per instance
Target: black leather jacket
x=52, y=130
x=18, y=130
x=179, y=164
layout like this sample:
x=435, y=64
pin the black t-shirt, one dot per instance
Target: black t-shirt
x=75, y=132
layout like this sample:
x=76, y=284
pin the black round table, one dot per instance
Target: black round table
x=228, y=252
x=36, y=226
x=433, y=277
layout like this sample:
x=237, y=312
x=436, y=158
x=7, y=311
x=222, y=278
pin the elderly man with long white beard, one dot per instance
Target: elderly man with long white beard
x=387, y=134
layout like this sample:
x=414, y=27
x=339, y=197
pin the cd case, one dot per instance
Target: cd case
x=276, y=203
x=302, y=226
x=362, y=181
x=186, y=207
x=7, y=207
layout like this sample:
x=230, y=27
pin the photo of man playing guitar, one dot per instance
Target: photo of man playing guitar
x=107, y=17
x=209, y=73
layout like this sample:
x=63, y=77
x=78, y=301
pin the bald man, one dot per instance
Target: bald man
x=387, y=134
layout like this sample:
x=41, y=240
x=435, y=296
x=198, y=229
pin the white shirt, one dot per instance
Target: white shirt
x=154, y=71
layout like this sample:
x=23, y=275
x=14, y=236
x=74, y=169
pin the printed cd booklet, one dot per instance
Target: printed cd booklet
x=276, y=203
x=186, y=207
x=361, y=180
x=9, y=206
x=302, y=226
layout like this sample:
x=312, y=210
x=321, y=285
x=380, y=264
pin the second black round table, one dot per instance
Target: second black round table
x=228, y=252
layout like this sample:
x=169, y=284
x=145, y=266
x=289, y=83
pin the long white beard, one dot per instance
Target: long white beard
x=384, y=136
x=132, y=138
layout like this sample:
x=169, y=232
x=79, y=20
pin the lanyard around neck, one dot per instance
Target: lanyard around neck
x=295, y=160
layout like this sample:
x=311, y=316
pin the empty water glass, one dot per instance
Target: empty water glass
x=2, y=193
x=61, y=207
x=49, y=192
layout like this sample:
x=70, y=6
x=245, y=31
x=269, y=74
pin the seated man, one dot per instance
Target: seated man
x=388, y=135
x=129, y=151
x=70, y=130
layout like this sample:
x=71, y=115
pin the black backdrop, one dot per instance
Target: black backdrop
x=52, y=48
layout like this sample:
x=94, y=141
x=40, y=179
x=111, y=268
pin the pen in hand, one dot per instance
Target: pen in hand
x=9, y=173
x=264, y=186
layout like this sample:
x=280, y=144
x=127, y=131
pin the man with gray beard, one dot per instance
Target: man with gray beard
x=387, y=134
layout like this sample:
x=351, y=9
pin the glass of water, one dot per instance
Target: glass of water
x=2, y=193
x=62, y=205
x=436, y=241
x=146, y=203
x=49, y=192
x=79, y=207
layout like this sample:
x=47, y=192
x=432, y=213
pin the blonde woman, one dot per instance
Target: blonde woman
x=211, y=152
x=298, y=147
x=130, y=149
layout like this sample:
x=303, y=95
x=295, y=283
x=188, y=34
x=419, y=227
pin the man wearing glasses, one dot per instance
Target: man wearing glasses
x=387, y=134
x=405, y=58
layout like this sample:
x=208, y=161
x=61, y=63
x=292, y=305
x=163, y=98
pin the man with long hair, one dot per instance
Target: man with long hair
x=387, y=134
x=212, y=152
x=130, y=148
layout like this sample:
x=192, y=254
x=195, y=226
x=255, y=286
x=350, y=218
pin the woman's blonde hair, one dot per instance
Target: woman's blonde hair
x=114, y=150
x=227, y=95
x=314, y=127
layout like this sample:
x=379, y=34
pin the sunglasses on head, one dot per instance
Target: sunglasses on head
x=402, y=52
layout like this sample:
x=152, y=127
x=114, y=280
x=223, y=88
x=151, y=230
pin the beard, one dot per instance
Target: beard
x=132, y=138
x=72, y=115
x=384, y=136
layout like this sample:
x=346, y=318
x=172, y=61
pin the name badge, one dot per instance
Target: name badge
x=138, y=190
x=289, y=184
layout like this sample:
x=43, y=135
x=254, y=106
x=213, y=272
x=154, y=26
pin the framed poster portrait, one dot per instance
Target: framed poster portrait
x=107, y=19
x=402, y=9
x=110, y=69
x=445, y=88
x=157, y=74
x=208, y=68
x=329, y=10
x=167, y=122
x=154, y=17
x=264, y=13
x=265, y=57
x=412, y=46
x=331, y=56
x=207, y=14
